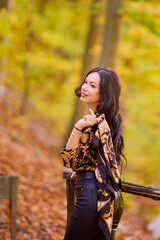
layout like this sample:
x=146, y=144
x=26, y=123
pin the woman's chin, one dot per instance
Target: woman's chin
x=83, y=99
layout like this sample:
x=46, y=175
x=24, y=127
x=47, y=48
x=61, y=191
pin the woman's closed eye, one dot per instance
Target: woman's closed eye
x=85, y=82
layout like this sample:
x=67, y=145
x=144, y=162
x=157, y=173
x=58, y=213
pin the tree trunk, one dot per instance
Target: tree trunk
x=26, y=90
x=8, y=5
x=40, y=4
x=95, y=38
x=91, y=55
x=111, y=34
x=25, y=96
x=101, y=47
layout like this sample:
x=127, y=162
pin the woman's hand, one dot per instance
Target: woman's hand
x=73, y=175
x=87, y=120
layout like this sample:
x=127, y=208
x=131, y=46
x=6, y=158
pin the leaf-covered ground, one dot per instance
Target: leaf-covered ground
x=29, y=150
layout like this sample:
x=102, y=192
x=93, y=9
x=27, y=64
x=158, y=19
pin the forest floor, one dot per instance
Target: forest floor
x=29, y=150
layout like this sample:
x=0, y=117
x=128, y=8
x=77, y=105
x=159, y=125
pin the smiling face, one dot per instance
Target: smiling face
x=90, y=90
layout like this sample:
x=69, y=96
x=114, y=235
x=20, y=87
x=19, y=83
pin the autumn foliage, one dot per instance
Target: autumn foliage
x=41, y=189
x=42, y=49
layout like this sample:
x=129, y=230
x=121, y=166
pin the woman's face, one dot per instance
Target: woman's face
x=90, y=90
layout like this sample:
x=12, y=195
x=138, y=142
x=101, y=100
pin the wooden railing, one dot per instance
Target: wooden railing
x=132, y=188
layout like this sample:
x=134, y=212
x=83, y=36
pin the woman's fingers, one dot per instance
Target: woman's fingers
x=87, y=117
x=91, y=112
x=93, y=115
x=73, y=175
x=90, y=118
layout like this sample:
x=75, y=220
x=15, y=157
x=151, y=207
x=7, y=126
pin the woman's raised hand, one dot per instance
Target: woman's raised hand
x=87, y=120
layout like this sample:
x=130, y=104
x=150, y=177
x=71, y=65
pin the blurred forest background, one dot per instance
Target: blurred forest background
x=46, y=48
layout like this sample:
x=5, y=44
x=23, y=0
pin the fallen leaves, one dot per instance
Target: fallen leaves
x=41, y=189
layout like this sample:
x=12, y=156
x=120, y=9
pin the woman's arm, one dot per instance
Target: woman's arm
x=73, y=148
x=73, y=141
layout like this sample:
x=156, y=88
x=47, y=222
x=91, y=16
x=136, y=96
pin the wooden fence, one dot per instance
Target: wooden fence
x=132, y=188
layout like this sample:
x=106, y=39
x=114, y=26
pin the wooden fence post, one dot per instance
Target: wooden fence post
x=8, y=190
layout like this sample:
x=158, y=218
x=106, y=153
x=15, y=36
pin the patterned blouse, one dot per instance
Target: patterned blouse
x=96, y=153
x=83, y=157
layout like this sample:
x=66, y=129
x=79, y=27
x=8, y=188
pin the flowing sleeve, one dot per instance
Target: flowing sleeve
x=74, y=158
x=69, y=155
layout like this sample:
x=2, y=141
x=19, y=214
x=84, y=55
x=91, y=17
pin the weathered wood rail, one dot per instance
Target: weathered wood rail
x=132, y=188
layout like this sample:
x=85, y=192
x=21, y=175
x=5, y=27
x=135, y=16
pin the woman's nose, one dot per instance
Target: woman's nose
x=84, y=87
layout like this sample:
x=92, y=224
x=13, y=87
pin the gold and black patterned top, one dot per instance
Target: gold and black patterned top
x=96, y=153
x=83, y=157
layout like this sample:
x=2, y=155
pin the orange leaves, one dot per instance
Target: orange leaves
x=41, y=189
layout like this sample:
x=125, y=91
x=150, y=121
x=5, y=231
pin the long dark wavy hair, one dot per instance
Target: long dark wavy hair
x=110, y=88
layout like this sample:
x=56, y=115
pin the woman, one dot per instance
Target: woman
x=94, y=152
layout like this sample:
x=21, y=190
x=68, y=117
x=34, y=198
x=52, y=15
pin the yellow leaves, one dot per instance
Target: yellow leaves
x=137, y=31
x=96, y=49
x=5, y=22
x=18, y=121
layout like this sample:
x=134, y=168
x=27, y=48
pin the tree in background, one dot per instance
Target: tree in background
x=92, y=53
x=102, y=44
x=5, y=6
x=28, y=43
x=111, y=34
